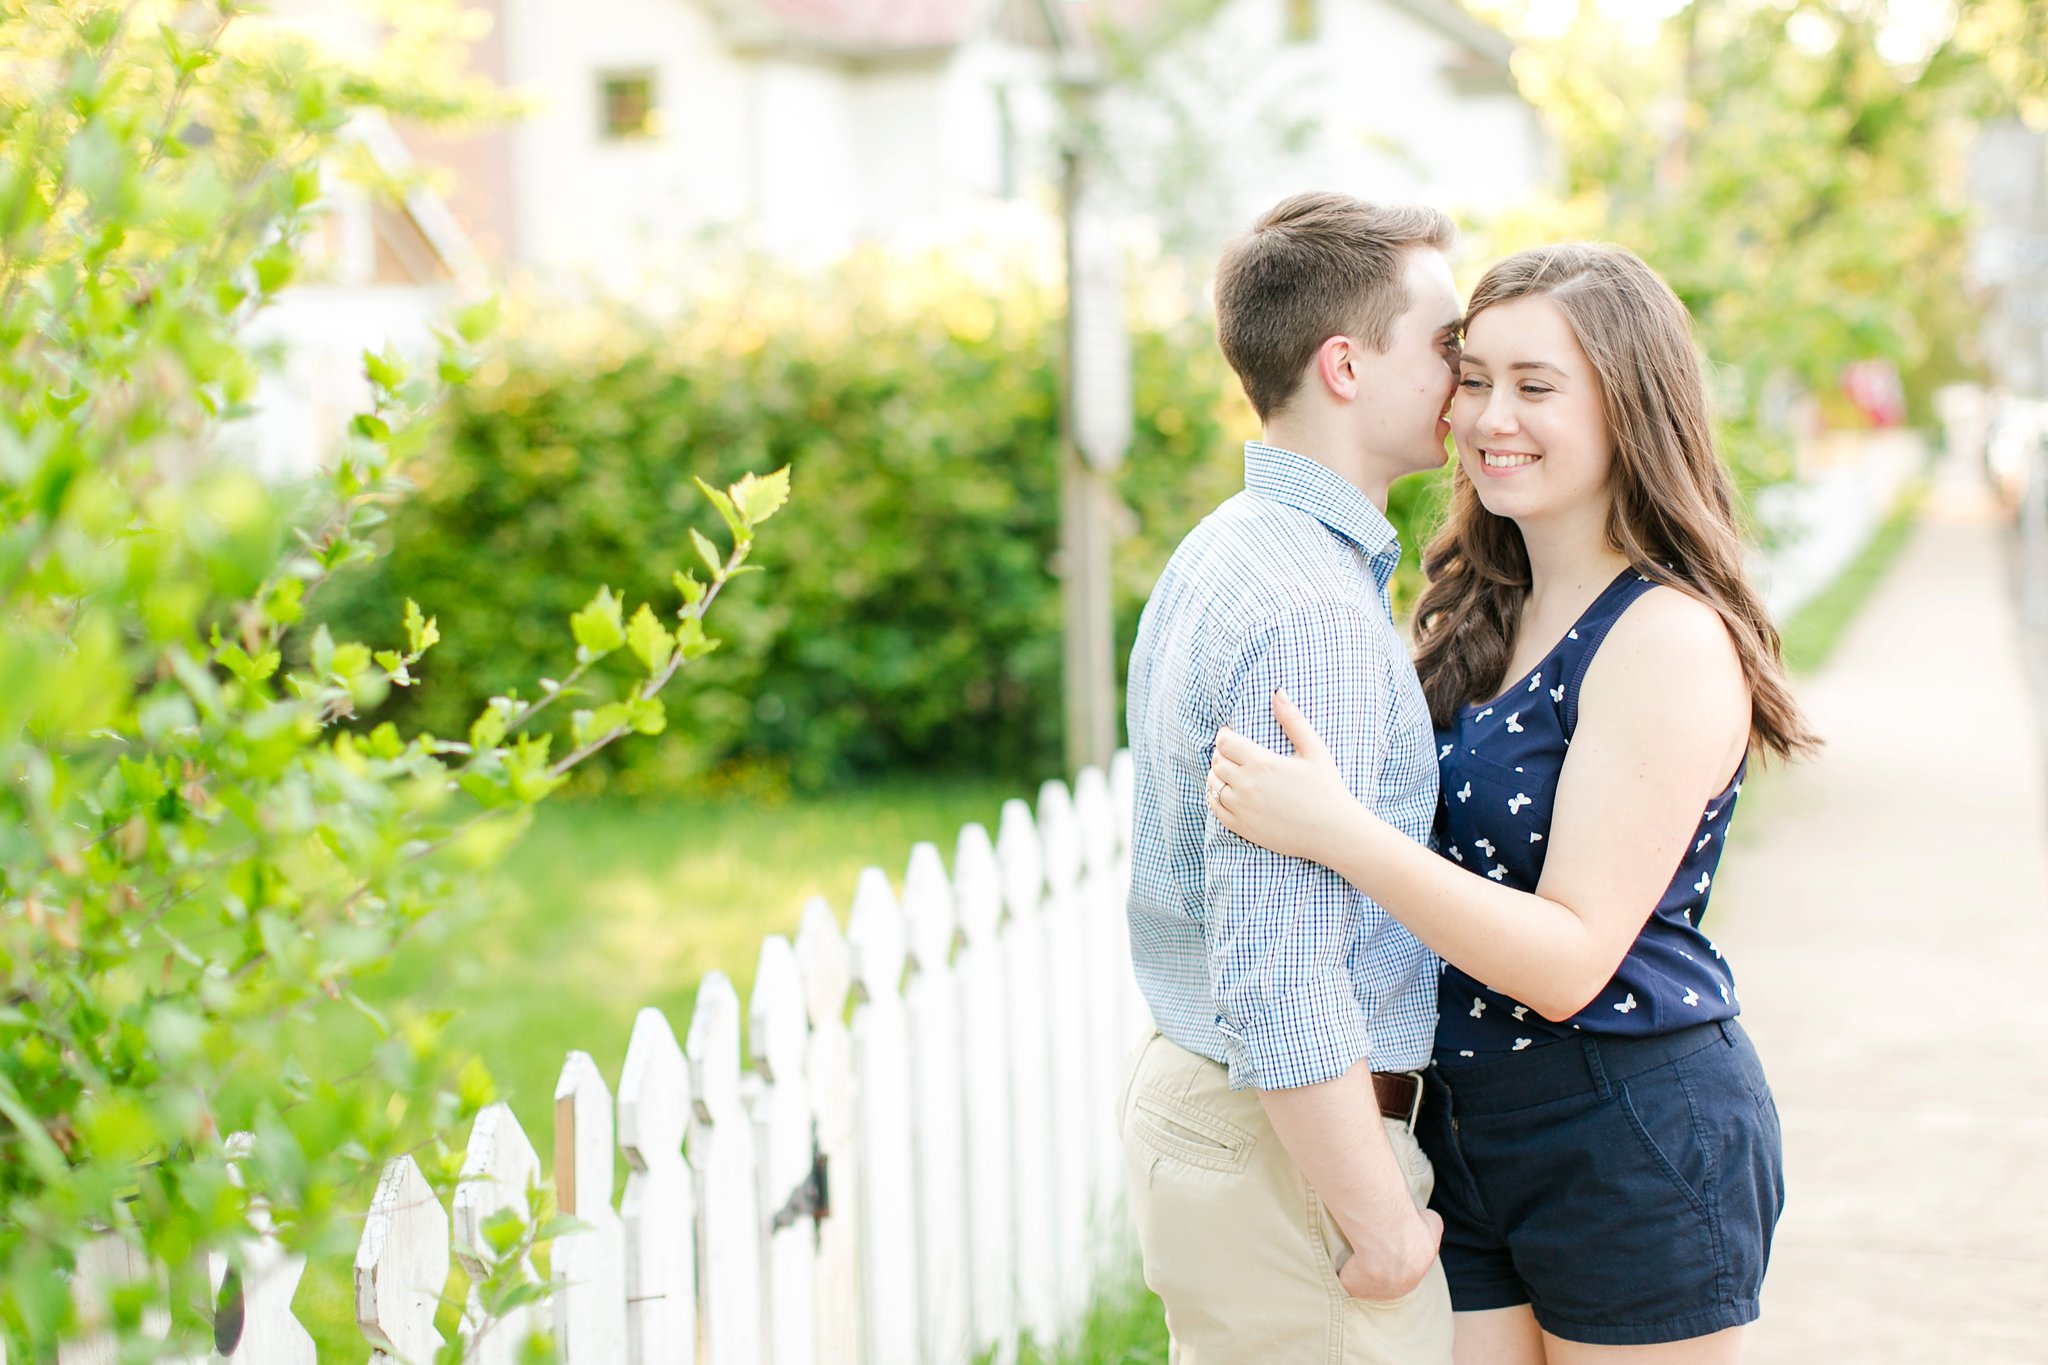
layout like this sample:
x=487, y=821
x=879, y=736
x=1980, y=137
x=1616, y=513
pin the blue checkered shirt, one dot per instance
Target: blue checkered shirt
x=1272, y=965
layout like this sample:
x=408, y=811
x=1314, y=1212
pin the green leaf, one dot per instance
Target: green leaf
x=598, y=627
x=687, y=584
x=760, y=498
x=386, y=371
x=478, y=320
x=421, y=632
x=708, y=552
x=725, y=509
x=487, y=731
x=691, y=639
x=650, y=640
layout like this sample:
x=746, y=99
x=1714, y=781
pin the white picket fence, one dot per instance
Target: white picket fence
x=957, y=1128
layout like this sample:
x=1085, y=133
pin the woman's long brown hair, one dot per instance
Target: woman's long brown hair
x=1673, y=515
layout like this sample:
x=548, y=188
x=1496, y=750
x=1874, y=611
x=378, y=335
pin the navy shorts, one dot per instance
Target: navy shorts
x=1624, y=1188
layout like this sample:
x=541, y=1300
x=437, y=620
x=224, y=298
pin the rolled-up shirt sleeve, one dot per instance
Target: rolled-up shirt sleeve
x=1280, y=930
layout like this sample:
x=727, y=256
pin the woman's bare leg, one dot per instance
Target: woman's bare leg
x=1497, y=1336
x=1721, y=1348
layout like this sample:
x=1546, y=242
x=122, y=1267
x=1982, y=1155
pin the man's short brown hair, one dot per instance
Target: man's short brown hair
x=1315, y=266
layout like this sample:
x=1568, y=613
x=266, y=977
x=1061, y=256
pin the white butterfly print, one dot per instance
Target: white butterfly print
x=1692, y=997
x=1466, y=793
x=1478, y=1006
x=1444, y=752
x=1455, y=854
x=1534, y=837
x=1715, y=946
x=1536, y=682
x=1515, y=722
x=1465, y=1052
x=1521, y=1013
x=1498, y=872
x=1521, y=1043
x=1519, y=800
x=1484, y=846
x=1557, y=692
x=1571, y=635
x=1482, y=715
x=1713, y=814
x=1724, y=995
x=1706, y=880
x=1625, y=1006
x=1705, y=839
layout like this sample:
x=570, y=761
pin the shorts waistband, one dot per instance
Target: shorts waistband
x=1587, y=1064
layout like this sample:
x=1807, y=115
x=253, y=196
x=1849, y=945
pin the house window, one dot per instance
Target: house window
x=627, y=101
x=1301, y=20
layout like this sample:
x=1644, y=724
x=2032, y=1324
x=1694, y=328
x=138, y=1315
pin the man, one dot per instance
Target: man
x=1267, y=1123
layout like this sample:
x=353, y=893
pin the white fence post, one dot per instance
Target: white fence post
x=881, y=1060
x=785, y=1148
x=1031, y=1145
x=932, y=1003
x=722, y=1155
x=1107, y=960
x=985, y=1042
x=659, y=1211
x=401, y=1267
x=500, y=1170
x=1067, y=972
x=589, y=1266
x=253, y=1321
x=105, y=1264
x=827, y=966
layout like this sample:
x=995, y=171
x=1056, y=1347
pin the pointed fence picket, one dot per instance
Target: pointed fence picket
x=401, y=1265
x=826, y=963
x=659, y=1210
x=1067, y=973
x=253, y=1298
x=785, y=1156
x=722, y=1155
x=919, y=1184
x=985, y=1045
x=1106, y=963
x=590, y=1265
x=881, y=1059
x=931, y=999
x=500, y=1170
x=1031, y=1104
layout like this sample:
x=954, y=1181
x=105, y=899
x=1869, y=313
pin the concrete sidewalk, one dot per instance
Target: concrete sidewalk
x=1886, y=912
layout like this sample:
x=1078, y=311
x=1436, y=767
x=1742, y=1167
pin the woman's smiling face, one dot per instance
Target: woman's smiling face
x=1530, y=426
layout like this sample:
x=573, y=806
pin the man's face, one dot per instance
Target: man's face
x=1405, y=390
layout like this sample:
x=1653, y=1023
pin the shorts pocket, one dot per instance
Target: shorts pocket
x=1174, y=1128
x=1669, y=1140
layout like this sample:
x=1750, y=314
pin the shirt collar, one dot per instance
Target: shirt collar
x=1301, y=483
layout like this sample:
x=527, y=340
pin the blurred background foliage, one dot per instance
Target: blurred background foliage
x=1796, y=171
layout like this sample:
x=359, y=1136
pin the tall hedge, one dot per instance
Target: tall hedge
x=916, y=622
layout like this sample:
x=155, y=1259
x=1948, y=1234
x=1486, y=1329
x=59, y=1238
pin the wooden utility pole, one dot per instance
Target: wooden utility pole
x=1096, y=402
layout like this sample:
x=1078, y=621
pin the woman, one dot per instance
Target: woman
x=1598, y=668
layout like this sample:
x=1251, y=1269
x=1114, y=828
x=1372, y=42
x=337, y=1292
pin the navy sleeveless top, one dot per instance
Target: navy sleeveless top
x=1499, y=763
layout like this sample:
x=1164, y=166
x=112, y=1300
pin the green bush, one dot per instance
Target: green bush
x=916, y=622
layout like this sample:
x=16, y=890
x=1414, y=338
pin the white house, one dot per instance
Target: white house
x=805, y=126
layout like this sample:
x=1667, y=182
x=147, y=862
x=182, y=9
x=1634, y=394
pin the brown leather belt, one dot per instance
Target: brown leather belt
x=1399, y=1094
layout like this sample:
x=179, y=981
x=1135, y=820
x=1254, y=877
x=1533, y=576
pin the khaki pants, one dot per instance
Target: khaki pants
x=1237, y=1245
